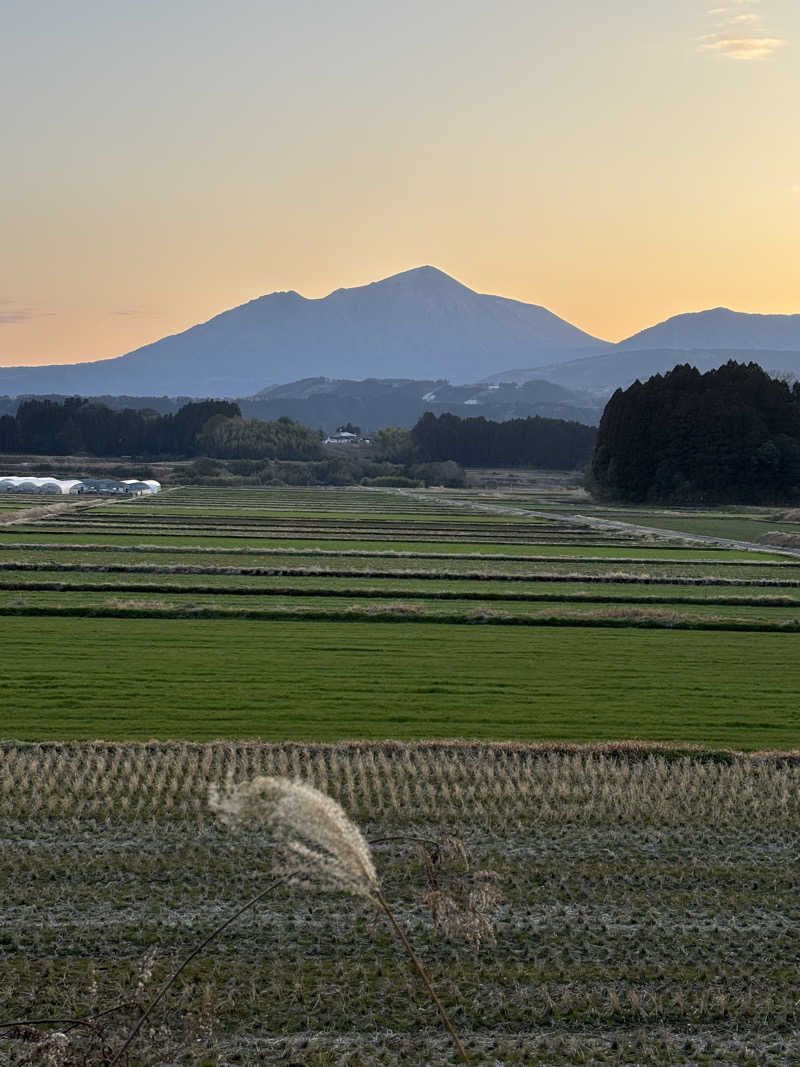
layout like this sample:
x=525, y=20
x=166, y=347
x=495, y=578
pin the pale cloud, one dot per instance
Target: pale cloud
x=738, y=34
x=14, y=314
x=742, y=47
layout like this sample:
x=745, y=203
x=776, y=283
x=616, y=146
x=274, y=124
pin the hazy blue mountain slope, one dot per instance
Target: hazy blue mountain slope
x=720, y=328
x=604, y=373
x=418, y=324
x=375, y=403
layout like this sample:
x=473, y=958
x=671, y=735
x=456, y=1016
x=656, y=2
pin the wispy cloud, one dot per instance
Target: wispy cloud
x=13, y=313
x=134, y=313
x=739, y=34
x=742, y=47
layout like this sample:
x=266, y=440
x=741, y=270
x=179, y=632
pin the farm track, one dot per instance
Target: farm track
x=614, y=526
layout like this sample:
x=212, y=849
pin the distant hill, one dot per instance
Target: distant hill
x=377, y=402
x=418, y=324
x=374, y=403
x=720, y=328
x=704, y=339
x=601, y=375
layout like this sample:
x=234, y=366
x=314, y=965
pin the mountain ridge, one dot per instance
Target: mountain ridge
x=419, y=323
x=719, y=327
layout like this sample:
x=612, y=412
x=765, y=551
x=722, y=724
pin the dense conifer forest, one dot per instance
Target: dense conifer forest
x=731, y=435
x=554, y=444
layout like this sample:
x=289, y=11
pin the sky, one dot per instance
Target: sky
x=617, y=163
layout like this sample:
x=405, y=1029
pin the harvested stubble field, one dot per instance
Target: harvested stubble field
x=630, y=906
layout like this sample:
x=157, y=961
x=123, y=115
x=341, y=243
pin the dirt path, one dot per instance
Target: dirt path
x=46, y=510
x=605, y=525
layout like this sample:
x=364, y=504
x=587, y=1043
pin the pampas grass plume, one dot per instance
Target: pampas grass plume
x=314, y=829
x=321, y=844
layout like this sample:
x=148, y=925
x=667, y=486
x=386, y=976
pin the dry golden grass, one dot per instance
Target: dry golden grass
x=619, y=904
x=496, y=783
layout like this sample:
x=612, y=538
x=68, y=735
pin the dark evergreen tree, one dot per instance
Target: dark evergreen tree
x=731, y=435
x=479, y=442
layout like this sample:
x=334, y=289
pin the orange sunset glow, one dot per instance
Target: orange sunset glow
x=617, y=165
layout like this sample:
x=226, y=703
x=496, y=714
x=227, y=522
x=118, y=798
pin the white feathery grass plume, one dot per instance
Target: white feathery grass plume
x=325, y=846
x=314, y=829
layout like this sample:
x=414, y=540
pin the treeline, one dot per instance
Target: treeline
x=478, y=442
x=204, y=428
x=731, y=435
x=354, y=469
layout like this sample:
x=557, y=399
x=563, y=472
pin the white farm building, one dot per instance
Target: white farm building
x=72, y=486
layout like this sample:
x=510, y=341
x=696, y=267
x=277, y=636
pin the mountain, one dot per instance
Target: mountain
x=705, y=339
x=418, y=324
x=720, y=328
x=601, y=375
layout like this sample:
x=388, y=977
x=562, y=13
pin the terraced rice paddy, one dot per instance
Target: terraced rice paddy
x=514, y=623
x=617, y=903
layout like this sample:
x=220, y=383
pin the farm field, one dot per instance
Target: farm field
x=323, y=679
x=618, y=906
x=612, y=903
x=272, y=613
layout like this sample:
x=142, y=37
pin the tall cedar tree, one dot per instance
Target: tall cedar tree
x=479, y=442
x=731, y=435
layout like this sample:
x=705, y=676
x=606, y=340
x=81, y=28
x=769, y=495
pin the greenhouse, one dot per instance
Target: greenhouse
x=73, y=486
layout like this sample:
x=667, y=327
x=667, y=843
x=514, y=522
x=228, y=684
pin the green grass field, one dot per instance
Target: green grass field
x=202, y=679
x=328, y=577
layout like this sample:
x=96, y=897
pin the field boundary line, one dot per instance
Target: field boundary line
x=414, y=615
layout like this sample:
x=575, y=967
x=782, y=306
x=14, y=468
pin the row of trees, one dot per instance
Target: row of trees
x=533, y=442
x=731, y=435
x=204, y=428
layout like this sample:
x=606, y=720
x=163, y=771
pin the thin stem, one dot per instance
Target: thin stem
x=423, y=975
x=403, y=837
x=83, y=1020
x=195, y=952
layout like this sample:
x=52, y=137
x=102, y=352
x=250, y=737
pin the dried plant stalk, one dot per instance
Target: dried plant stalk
x=321, y=844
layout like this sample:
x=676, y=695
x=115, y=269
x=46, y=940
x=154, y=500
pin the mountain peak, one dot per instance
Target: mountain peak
x=420, y=324
x=720, y=327
x=423, y=273
x=419, y=279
